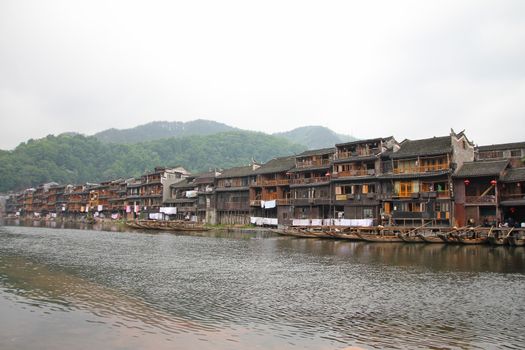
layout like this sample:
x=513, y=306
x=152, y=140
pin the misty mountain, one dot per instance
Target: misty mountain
x=311, y=137
x=315, y=137
x=162, y=130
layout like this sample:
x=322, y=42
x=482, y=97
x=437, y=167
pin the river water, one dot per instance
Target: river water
x=63, y=288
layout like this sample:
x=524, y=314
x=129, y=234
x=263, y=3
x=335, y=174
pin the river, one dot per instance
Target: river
x=66, y=288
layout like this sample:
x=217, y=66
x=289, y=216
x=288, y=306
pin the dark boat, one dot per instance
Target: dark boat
x=408, y=238
x=517, y=239
x=295, y=232
x=464, y=239
x=378, y=237
x=516, y=242
x=430, y=238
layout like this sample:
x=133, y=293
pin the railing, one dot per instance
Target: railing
x=357, y=172
x=311, y=163
x=421, y=168
x=480, y=199
x=284, y=201
x=438, y=194
x=361, y=153
x=278, y=182
x=512, y=197
x=310, y=180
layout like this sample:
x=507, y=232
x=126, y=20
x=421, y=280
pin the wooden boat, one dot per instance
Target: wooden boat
x=349, y=236
x=517, y=239
x=295, y=232
x=464, y=239
x=430, y=238
x=516, y=242
x=167, y=225
x=448, y=237
x=411, y=236
x=133, y=224
x=407, y=238
x=371, y=237
x=500, y=236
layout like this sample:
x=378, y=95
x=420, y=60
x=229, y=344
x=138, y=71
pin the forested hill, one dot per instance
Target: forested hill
x=315, y=137
x=161, y=130
x=78, y=159
x=312, y=137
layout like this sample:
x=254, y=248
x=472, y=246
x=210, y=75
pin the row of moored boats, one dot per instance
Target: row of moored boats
x=457, y=235
x=171, y=225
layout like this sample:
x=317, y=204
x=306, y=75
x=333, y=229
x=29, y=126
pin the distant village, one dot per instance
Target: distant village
x=439, y=181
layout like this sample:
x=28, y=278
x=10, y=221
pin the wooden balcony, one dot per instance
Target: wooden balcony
x=480, y=199
x=357, y=172
x=312, y=163
x=417, y=169
x=360, y=153
x=513, y=197
x=310, y=180
x=406, y=194
x=278, y=182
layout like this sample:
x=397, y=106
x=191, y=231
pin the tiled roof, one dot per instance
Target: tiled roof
x=364, y=141
x=187, y=182
x=424, y=147
x=310, y=168
x=240, y=171
x=356, y=159
x=317, y=152
x=277, y=165
x=514, y=175
x=482, y=168
x=502, y=146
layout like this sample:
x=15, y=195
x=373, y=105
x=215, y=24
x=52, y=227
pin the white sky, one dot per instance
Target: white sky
x=411, y=69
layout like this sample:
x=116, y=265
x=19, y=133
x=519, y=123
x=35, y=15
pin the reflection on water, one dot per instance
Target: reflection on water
x=237, y=291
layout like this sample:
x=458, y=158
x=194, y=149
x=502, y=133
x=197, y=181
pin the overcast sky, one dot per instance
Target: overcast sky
x=411, y=69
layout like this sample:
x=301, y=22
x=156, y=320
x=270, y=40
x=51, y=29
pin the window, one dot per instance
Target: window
x=368, y=213
x=442, y=206
x=515, y=153
x=490, y=154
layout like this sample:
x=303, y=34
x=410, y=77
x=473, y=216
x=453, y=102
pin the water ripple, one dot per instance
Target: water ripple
x=285, y=292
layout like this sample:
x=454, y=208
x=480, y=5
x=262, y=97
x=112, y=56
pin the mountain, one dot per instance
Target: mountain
x=161, y=130
x=74, y=158
x=310, y=136
x=315, y=137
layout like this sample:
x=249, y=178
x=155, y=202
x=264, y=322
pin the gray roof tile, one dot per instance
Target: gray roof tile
x=514, y=175
x=482, y=168
x=424, y=147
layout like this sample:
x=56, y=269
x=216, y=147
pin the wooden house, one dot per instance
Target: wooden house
x=27, y=201
x=355, y=176
x=421, y=180
x=270, y=195
x=205, y=186
x=476, y=192
x=117, y=197
x=154, y=188
x=232, y=194
x=133, y=198
x=77, y=198
x=514, y=152
x=184, y=198
x=310, y=190
x=512, y=191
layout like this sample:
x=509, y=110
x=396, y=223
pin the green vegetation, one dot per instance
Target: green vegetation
x=162, y=130
x=73, y=158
